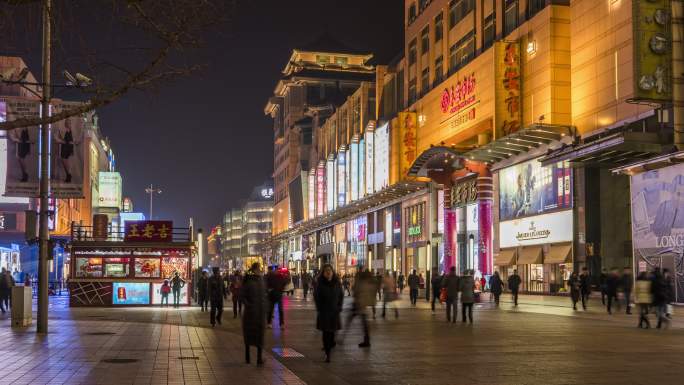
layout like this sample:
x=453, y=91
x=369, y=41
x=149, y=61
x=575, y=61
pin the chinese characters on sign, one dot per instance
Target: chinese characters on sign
x=507, y=85
x=464, y=192
x=409, y=141
x=149, y=231
x=459, y=96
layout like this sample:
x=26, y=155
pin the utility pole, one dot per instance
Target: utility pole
x=44, y=190
x=151, y=190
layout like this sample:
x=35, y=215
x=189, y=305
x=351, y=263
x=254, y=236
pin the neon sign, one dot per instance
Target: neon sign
x=459, y=96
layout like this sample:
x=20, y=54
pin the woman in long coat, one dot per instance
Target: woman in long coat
x=253, y=296
x=328, y=297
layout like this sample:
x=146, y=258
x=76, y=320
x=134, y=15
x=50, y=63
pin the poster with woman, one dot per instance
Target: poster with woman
x=22, y=148
x=66, y=171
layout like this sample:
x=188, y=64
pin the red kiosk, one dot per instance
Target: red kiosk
x=128, y=268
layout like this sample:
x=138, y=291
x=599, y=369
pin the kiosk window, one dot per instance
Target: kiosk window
x=147, y=268
x=88, y=267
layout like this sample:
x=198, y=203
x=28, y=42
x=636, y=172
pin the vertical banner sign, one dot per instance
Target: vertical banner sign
x=347, y=170
x=485, y=259
x=449, y=238
x=362, y=168
x=320, y=190
x=312, y=194
x=382, y=153
x=23, y=146
x=408, y=141
x=508, y=109
x=652, y=50
x=68, y=152
x=370, y=163
x=341, y=178
x=354, y=171
x=331, y=185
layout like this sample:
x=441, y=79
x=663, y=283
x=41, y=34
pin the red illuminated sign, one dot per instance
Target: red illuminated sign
x=459, y=96
x=149, y=231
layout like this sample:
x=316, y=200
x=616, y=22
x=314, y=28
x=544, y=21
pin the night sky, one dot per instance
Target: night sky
x=204, y=140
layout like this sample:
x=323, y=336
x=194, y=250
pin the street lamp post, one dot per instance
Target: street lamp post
x=151, y=190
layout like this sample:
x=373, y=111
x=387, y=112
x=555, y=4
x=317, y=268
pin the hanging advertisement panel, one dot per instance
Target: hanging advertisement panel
x=110, y=189
x=370, y=162
x=658, y=222
x=320, y=190
x=362, y=168
x=354, y=154
x=347, y=179
x=388, y=227
x=381, y=159
x=507, y=76
x=68, y=152
x=485, y=221
x=537, y=230
x=529, y=189
x=652, y=50
x=23, y=147
x=341, y=178
x=408, y=141
x=330, y=186
x=311, y=213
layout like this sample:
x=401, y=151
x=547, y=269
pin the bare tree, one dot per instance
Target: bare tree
x=121, y=45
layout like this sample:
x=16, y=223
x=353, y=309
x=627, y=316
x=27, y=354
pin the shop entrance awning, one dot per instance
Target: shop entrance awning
x=506, y=257
x=530, y=255
x=519, y=142
x=651, y=164
x=561, y=253
x=609, y=151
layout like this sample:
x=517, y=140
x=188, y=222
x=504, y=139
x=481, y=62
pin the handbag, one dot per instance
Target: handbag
x=443, y=295
x=669, y=310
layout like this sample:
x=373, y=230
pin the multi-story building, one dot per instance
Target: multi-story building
x=232, y=236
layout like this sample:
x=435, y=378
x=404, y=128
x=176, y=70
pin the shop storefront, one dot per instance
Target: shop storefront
x=325, y=247
x=416, y=232
x=536, y=225
x=341, y=245
x=392, y=235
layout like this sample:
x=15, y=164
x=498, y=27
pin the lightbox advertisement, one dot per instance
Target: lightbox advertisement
x=131, y=293
x=537, y=230
x=110, y=189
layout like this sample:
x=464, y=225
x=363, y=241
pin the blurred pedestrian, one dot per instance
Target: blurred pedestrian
x=413, y=283
x=275, y=284
x=364, y=296
x=660, y=298
x=235, y=287
x=6, y=284
x=202, y=288
x=514, y=285
x=401, y=282
x=165, y=290
x=389, y=294
x=603, y=285
x=253, y=296
x=346, y=283
x=612, y=284
x=574, y=286
x=451, y=284
x=585, y=287
x=306, y=284
x=626, y=282
x=328, y=298
x=467, y=289
x=177, y=283
x=436, y=286
x=216, y=291
x=483, y=284
x=496, y=287
x=643, y=298
x=669, y=293
x=378, y=284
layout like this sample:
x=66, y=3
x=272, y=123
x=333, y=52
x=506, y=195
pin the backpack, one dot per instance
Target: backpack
x=166, y=289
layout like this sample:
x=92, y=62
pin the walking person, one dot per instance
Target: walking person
x=378, y=285
x=401, y=282
x=612, y=284
x=235, y=286
x=603, y=284
x=451, y=284
x=202, y=291
x=585, y=287
x=660, y=298
x=253, y=296
x=346, y=284
x=496, y=287
x=275, y=284
x=643, y=298
x=165, y=290
x=626, y=282
x=306, y=284
x=414, y=284
x=364, y=296
x=436, y=286
x=669, y=293
x=467, y=289
x=6, y=284
x=328, y=298
x=574, y=285
x=389, y=294
x=177, y=283
x=216, y=290
x=514, y=286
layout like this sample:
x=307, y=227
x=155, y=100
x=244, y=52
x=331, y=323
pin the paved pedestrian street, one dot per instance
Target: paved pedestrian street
x=543, y=341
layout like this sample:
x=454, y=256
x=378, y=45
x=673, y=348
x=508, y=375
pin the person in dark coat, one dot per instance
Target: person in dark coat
x=202, y=287
x=328, y=298
x=603, y=282
x=216, y=290
x=177, y=283
x=306, y=284
x=235, y=285
x=451, y=284
x=514, y=285
x=496, y=287
x=585, y=287
x=627, y=283
x=364, y=296
x=6, y=284
x=275, y=282
x=401, y=281
x=612, y=284
x=466, y=285
x=414, y=284
x=436, y=283
x=659, y=290
x=574, y=285
x=253, y=297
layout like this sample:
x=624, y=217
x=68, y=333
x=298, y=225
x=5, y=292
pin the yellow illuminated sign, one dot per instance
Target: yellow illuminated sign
x=507, y=88
x=652, y=50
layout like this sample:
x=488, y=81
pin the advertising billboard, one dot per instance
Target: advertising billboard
x=131, y=293
x=320, y=189
x=3, y=163
x=537, y=230
x=341, y=178
x=381, y=157
x=68, y=151
x=408, y=140
x=109, y=189
x=652, y=38
x=657, y=199
x=528, y=189
x=507, y=77
x=331, y=185
x=370, y=161
x=23, y=145
x=354, y=154
x=311, y=213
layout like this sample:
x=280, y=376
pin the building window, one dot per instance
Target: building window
x=489, y=31
x=425, y=40
x=423, y=4
x=510, y=16
x=412, y=13
x=425, y=80
x=458, y=10
x=439, y=69
x=412, y=53
x=462, y=52
x=534, y=6
x=322, y=59
x=412, y=91
x=439, y=27
x=341, y=60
